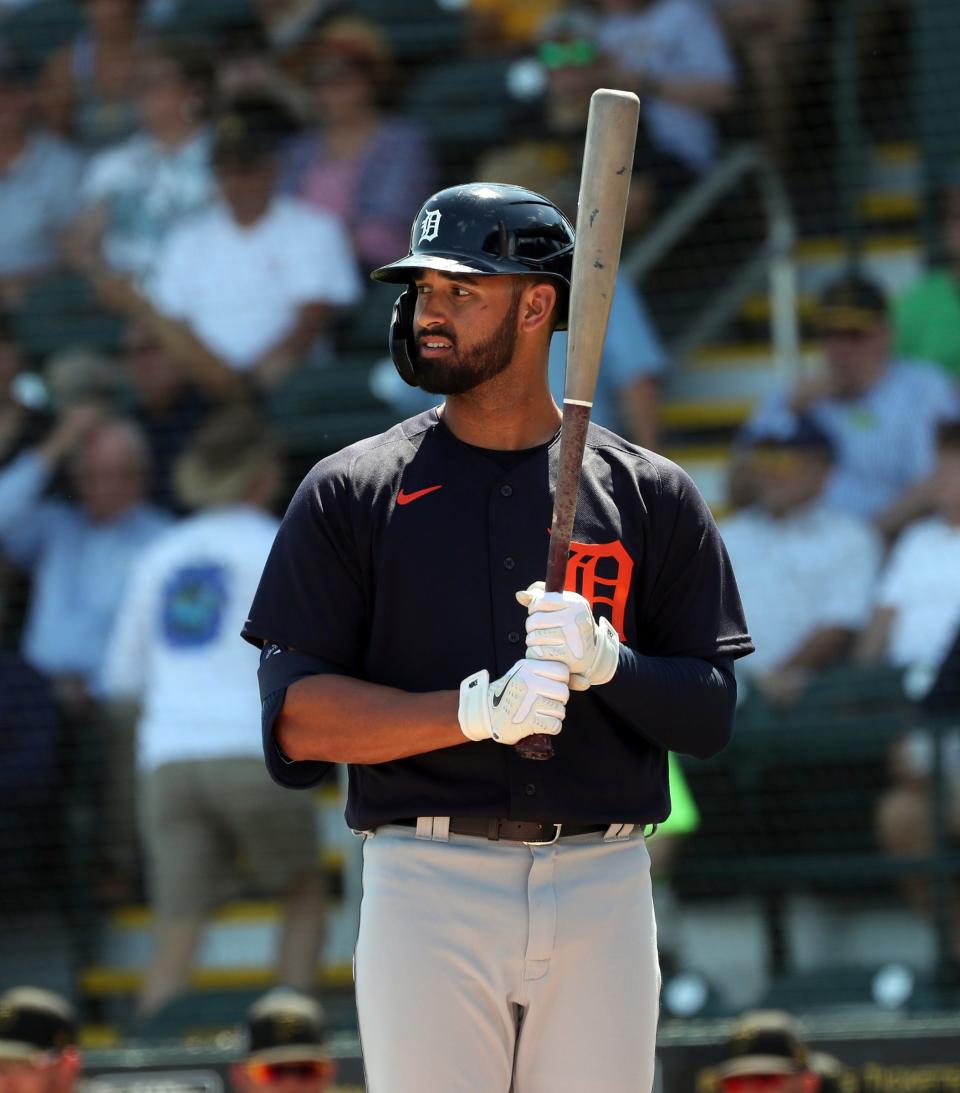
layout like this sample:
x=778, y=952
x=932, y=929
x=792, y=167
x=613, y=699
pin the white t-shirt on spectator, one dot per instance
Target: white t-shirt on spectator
x=813, y=569
x=240, y=289
x=144, y=191
x=673, y=39
x=176, y=644
x=922, y=584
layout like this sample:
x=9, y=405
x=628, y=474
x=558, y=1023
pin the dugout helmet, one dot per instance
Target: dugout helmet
x=478, y=228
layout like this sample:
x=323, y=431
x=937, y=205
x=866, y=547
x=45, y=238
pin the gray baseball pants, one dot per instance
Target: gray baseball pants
x=502, y=967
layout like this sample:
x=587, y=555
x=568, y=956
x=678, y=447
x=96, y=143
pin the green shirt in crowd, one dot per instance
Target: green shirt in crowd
x=926, y=321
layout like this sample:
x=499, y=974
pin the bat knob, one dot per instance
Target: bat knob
x=536, y=746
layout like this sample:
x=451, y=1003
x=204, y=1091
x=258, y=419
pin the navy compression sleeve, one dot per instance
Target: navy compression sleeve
x=684, y=704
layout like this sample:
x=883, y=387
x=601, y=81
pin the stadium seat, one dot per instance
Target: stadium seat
x=61, y=312
x=466, y=106
x=33, y=32
x=419, y=30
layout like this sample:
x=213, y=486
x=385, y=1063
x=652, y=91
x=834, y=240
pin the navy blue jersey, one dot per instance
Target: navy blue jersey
x=398, y=562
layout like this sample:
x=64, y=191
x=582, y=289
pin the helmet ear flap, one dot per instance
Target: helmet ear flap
x=402, y=348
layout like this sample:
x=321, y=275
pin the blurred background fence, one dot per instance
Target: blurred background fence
x=192, y=193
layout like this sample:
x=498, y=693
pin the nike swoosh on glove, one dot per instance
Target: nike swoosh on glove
x=530, y=698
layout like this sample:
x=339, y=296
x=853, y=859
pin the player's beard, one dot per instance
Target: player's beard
x=455, y=374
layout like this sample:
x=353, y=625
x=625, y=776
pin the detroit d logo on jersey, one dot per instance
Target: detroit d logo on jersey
x=430, y=226
x=601, y=573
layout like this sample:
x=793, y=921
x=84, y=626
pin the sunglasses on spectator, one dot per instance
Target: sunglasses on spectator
x=304, y=1070
x=575, y=54
x=847, y=334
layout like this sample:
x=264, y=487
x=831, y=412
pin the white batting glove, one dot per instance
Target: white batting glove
x=561, y=627
x=531, y=697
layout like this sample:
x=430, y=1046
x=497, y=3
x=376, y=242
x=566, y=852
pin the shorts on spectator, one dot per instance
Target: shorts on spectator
x=216, y=828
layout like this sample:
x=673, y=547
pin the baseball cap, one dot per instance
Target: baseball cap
x=764, y=1042
x=248, y=134
x=796, y=431
x=853, y=302
x=285, y=1026
x=34, y=1021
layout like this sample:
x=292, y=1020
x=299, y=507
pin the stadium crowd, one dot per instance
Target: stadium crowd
x=191, y=196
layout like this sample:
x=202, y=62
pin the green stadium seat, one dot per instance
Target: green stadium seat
x=418, y=30
x=62, y=312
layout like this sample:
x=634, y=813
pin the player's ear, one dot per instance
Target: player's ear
x=537, y=305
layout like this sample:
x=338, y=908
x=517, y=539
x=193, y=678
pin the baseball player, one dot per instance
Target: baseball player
x=507, y=937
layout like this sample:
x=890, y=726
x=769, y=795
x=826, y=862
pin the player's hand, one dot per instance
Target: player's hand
x=530, y=698
x=561, y=627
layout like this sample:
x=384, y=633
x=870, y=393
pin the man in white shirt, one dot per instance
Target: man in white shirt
x=915, y=622
x=258, y=277
x=806, y=573
x=208, y=805
x=881, y=412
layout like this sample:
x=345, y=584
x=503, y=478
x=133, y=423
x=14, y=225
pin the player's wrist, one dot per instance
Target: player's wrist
x=606, y=657
x=473, y=711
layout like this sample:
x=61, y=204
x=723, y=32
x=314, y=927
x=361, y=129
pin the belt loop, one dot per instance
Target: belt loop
x=441, y=829
x=493, y=830
x=424, y=827
x=617, y=833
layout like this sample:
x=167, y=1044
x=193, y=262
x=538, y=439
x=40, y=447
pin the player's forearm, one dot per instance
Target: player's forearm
x=338, y=719
x=685, y=704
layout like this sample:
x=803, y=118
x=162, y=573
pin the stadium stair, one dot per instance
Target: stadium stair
x=234, y=963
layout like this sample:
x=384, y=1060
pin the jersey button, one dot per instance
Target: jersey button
x=506, y=490
x=530, y=789
x=513, y=637
x=508, y=562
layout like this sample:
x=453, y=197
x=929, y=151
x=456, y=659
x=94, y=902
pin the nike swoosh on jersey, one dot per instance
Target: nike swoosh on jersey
x=503, y=689
x=405, y=498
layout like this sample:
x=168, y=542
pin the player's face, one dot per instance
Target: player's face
x=465, y=330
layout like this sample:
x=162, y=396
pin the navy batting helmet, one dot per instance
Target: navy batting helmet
x=479, y=228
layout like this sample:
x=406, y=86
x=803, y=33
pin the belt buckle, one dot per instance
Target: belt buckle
x=545, y=842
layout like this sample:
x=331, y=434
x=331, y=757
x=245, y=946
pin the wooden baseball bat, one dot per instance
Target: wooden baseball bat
x=601, y=210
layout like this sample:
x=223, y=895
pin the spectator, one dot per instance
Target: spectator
x=807, y=574
x=927, y=317
x=766, y=1054
x=88, y=85
x=674, y=55
x=22, y=419
x=914, y=626
x=880, y=412
x=38, y=1042
x=285, y=1038
x=771, y=39
x=135, y=193
x=39, y=178
x=367, y=167
x=504, y=26
x=210, y=811
x=247, y=69
x=166, y=405
x=917, y=606
x=274, y=274
x=79, y=551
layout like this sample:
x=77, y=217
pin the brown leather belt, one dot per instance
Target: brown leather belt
x=521, y=831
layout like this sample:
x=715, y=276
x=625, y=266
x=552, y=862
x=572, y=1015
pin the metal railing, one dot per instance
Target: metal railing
x=773, y=259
